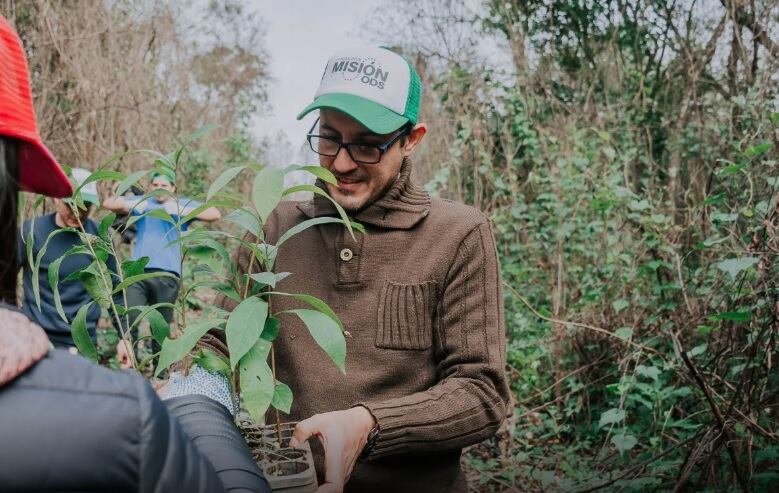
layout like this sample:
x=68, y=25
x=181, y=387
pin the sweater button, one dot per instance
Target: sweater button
x=346, y=255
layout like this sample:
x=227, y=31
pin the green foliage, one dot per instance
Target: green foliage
x=635, y=211
x=252, y=326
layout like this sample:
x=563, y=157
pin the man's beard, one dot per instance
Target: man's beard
x=353, y=210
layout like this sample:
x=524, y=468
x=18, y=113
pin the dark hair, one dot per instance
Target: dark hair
x=9, y=196
x=407, y=128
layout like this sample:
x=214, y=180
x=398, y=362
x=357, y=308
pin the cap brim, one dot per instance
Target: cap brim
x=40, y=173
x=372, y=115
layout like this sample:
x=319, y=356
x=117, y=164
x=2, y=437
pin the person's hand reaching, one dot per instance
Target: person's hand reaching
x=123, y=354
x=343, y=435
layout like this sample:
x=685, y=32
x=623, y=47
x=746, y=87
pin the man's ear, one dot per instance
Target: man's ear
x=414, y=137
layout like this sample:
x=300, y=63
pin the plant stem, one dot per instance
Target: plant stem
x=273, y=371
x=108, y=286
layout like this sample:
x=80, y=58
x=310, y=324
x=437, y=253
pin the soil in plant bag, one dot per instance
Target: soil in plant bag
x=287, y=469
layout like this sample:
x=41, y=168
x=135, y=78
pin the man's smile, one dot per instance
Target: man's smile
x=348, y=184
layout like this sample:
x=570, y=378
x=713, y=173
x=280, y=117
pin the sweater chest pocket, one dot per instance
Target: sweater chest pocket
x=405, y=316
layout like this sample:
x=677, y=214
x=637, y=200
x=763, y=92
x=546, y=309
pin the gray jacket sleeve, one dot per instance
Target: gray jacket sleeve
x=69, y=425
x=211, y=429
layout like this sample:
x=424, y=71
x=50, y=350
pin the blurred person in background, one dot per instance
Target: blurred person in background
x=157, y=239
x=67, y=424
x=36, y=234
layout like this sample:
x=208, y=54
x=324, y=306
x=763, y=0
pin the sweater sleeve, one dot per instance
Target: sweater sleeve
x=468, y=404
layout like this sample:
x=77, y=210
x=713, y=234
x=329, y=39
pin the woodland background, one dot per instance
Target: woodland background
x=625, y=150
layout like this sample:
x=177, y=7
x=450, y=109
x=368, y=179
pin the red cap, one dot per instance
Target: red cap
x=38, y=170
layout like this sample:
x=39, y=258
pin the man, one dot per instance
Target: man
x=73, y=294
x=419, y=295
x=157, y=239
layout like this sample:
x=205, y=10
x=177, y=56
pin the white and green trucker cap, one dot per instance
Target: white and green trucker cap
x=375, y=86
x=89, y=191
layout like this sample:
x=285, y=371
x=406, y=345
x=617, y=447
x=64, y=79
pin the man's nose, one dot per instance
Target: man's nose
x=343, y=162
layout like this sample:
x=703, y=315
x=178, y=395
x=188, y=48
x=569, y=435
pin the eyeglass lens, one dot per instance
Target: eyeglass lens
x=330, y=147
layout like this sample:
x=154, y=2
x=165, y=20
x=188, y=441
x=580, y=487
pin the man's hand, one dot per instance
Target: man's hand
x=343, y=435
x=173, y=207
x=123, y=353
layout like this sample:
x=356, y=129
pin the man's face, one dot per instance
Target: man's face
x=359, y=185
x=160, y=182
x=67, y=216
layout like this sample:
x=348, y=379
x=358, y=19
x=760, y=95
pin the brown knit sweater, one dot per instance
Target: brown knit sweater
x=420, y=296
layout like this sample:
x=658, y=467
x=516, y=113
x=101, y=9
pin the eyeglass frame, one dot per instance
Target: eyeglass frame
x=383, y=148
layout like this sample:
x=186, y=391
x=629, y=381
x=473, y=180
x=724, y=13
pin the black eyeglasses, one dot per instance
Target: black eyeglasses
x=360, y=153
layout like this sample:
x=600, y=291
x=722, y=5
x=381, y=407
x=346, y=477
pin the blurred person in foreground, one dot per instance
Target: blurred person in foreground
x=419, y=294
x=157, y=239
x=65, y=423
x=37, y=234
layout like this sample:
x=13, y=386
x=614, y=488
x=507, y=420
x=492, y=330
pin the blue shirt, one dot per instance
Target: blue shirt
x=157, y=238
x=73, y=295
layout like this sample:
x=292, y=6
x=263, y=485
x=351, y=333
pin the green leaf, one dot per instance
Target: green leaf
x=173, y=350
x=223, y=180
x=710, y=242
x=160, y=329
x=227, y=290
x=652, y=372
x=282, y=397
x=758, y=149
x=327, y=333
x=54, y=277
x=257, y=385
x=704, y=330
x=734, y=266
x=80, y=334
x=697, y=350
x=271, y=330
x=154, y=213
x=144, y=310
x=192, y=215
x=302, y=226
x=623, y=442
x=341, y=212
x=620, y=305
x=734, y=316
x=95, y=285
x=36, y=266
x=624, y=333
x=722, y=217
x=244, y=326
x=269, y=278
x=611, y=416
x=130, y=181
x=212, y=362
x=141, y=277
x=105, y=225
x=245, y=219
x=102, y=174
x=715, y=199
x=323, y=174
x=267, y=191
x=731, y=170
x=131, y=268
x=318, y=304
